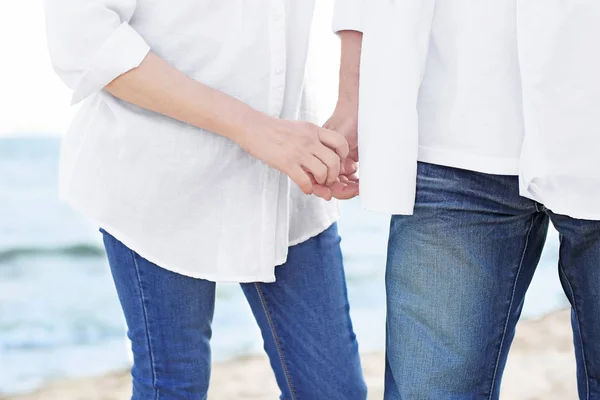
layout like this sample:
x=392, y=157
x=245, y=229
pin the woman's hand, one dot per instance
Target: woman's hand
x=310, y=155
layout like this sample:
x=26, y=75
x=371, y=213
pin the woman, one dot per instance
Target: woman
x=180, y=153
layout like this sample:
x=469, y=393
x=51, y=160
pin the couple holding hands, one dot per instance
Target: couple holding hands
x=196, y=153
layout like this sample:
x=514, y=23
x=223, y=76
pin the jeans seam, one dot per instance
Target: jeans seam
x=145, y=313
x=510, y=306
x=587, y=377
x=276, y=339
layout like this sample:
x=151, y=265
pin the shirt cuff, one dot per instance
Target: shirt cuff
x=123, y=51
x=347, y=15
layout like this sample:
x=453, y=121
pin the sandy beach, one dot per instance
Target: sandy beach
x=541, y=367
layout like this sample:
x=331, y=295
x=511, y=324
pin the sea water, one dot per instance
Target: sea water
x=59, y=314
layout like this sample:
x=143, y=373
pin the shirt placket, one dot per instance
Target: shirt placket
x=276, y=211
x=277, y=34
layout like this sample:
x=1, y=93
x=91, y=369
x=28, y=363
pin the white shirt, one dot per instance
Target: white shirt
x=467, y=50
x=188, y=200
x=469, y=105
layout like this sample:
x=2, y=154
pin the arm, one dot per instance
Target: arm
x=348, y=24
x=298, y=149
x=93, y=48
x=346, y=111
x=345, y=116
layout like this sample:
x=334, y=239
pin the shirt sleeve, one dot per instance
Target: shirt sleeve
x=347, y=15
x=91, y=42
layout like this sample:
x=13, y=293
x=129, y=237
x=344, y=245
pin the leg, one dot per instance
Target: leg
x=579, y=270
x=169, y=324
x=305, y=322
x=457, y=273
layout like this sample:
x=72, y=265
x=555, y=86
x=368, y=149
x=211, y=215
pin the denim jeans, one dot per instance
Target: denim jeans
x=304, y=319
x=457, y=274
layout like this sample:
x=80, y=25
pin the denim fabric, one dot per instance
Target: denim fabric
x=304, y=319
x=457, y=274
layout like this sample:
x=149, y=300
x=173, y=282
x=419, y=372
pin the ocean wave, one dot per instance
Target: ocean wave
x=44, y=331
x=74, y=251
x=71, y=339
x=52, y=340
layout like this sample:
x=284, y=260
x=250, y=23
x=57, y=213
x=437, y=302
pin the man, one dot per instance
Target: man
x=478, y=125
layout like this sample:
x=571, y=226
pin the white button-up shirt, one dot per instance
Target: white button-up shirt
x=186, y=199
x=558, y=64
x=469, y=106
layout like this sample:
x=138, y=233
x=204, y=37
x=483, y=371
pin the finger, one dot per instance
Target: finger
x=319, y=170
x=329, y=125
x=344, y=179
x=349, y=178
x=335, y=141
x=301, y=178
x=331, y=161
x=344, y=191
x=348, y=167
x=353, y=154
x=322, y=191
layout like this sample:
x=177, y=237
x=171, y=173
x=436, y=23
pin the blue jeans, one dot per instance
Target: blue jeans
x=304, y=319
x=456, y=278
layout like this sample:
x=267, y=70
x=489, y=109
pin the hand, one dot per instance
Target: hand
x=345, y=121
x=308, y=154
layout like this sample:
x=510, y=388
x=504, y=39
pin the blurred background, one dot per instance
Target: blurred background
x=59, y=314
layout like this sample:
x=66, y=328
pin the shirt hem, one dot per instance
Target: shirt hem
x=477, y=163
x=304, y=238
x=577, y=216
x=387, y=209
x=528, y=191
x=217, y=278
x=125, y=239
x=317, y=231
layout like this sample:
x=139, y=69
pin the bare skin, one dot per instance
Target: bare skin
x=310, y=155
x=345, y=117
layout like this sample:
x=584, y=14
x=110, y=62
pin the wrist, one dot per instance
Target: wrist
x=251, y=125
x=347, y=106
x=348, y=94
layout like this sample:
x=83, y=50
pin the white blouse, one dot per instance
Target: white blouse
x=558, y=64
x=188, y=200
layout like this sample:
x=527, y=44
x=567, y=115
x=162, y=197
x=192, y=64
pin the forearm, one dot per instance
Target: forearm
x=157, y=86
x=345, y=115
x=350, y=67
x=300, y=150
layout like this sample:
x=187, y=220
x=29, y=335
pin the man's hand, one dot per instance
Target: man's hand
x=345, y=121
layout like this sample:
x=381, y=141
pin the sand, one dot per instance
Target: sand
x=541, y=366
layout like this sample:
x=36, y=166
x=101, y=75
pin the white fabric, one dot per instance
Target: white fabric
x=534, y=60
x=470, y=109
x=186, y=199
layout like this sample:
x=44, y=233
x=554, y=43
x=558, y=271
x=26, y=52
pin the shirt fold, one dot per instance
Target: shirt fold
x=123, y=51
x=391, y=74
